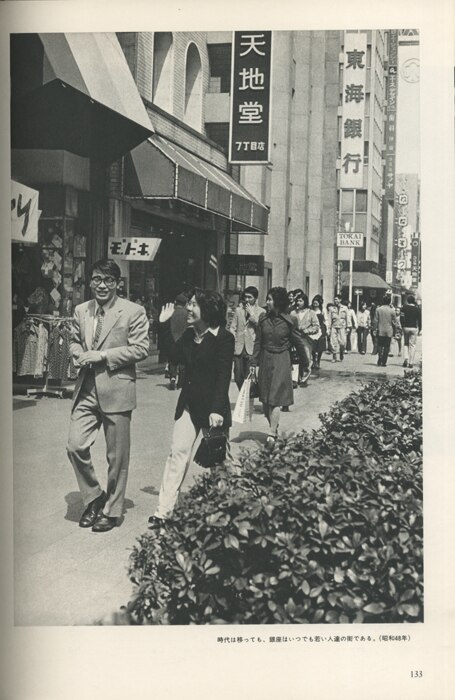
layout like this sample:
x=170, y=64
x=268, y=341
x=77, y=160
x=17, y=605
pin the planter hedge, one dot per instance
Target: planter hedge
x=325, y=528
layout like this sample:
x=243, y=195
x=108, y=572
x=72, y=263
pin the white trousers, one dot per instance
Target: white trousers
x=183, y=439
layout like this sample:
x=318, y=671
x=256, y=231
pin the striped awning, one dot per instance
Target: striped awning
x=75, y=92
x=158, y=169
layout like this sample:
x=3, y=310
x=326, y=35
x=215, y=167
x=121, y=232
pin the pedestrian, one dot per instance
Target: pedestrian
x=243, y=327
x=373, y=327
x=398, y=330
x=320, y=344
x=329, y=307
x=109, y=336
x=337, y=325
x=291, y=301
x=178, y=326
x=276, y=332
x=363, y=327
x=411, y=322
x=352, y=325
x=206, y=351
x=308, y=325
x=385, y=325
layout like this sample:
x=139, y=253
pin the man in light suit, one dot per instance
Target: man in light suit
x=385, y=322
x=243, y=327
x=110, y=335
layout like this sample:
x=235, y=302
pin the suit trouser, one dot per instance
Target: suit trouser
x=241, y=367
x=183, y=439
x=338, y=339
x=410, y=341
x=362, y=335
x=383, y=349
x=86, y=420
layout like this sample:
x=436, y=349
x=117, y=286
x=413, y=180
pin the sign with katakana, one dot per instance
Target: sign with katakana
x=353, y=111
x=249, y=128
x=24, y=213
x=139, y=249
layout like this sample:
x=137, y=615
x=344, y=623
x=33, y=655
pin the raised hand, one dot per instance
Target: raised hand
x=166, y=312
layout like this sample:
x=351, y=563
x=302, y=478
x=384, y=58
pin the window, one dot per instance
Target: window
x=220, y=67
x=361, y=201
x=347, y=201
x=193, y=88
x=162, y=70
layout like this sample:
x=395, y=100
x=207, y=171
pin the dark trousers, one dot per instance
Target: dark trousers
x=383, y=349
x=362, y=335
x=241, y=367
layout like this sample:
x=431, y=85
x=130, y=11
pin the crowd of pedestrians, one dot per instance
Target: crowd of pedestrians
x=279, y=344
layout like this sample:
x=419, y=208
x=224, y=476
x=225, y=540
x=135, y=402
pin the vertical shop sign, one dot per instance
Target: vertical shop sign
x=353, y=112
x=415, y=255
x=249, y=129
x=391, y=123
x=24, y=213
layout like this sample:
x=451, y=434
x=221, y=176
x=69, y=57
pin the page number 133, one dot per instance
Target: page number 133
x=416, y=674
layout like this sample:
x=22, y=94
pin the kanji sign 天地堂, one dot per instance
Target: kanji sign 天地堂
x=141, y=249
x=249, y=133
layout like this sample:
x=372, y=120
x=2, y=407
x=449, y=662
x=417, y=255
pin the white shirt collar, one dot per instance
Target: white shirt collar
x=214, y=331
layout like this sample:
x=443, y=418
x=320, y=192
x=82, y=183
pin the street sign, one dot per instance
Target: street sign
x=349, y=239
x=357, y=291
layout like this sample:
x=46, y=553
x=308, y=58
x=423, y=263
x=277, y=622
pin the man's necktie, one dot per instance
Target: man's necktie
x=99, y=326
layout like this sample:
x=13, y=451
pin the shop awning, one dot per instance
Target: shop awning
x=158, y=169
x=75, y=92
x=364, y=280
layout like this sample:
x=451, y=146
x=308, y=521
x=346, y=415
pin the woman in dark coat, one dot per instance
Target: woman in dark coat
x=320, y=345
x=206, y=351
x=275, y=334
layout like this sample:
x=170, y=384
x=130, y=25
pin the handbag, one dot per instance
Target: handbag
x=211, y=450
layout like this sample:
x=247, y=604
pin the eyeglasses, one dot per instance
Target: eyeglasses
x=108, y=281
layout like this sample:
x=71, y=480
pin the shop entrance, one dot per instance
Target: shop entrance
x=182, y=263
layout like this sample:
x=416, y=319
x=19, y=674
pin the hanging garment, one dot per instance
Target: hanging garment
x=41, y=351
x=59, y=351
x=25, y=347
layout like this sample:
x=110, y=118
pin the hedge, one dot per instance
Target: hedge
x=325, y=528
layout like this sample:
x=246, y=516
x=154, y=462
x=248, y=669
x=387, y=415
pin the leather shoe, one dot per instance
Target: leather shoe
x=90, y=514
x=104, y=523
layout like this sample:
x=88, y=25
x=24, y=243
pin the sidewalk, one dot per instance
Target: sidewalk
x=65, y=575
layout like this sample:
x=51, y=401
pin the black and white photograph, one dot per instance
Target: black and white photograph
x=217, y=325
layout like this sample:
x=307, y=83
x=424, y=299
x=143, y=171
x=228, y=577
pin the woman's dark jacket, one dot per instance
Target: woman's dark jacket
x=207, y=376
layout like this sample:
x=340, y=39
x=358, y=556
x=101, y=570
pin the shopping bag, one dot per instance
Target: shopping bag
x=243, y=410
x=295, y=373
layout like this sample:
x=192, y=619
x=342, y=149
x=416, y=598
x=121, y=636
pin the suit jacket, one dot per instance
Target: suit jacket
x=244, y=329
x=207, y=375
x=385, y=321
x=124, y=340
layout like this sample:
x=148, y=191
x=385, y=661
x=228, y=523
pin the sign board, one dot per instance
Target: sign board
x=139, y=249
x=243, y=265
x=249, y=130
x=350, y=239
x=357, y=291
x=24, y=213
x=389, y=276
x=353, y=114
x=391, y=123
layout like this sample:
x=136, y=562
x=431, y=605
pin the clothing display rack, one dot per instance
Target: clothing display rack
x=46, y=390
